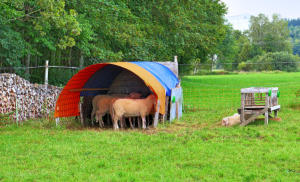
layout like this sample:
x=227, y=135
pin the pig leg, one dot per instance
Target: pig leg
x=139, y=122
x=122, y=122
x=115, y=123
x=99, y=119
x=144, y=122
x=101, y=123
x=93, y=114
x=130, y=122
x=97, y=116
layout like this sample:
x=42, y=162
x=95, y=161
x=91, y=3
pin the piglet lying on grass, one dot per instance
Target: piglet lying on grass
x=231, y=120
x=132, y=107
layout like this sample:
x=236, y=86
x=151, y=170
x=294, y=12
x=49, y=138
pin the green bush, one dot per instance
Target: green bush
x=271, y=61
x=245, y=66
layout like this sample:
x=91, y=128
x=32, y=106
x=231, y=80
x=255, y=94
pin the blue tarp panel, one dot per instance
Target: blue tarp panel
x=162, y=73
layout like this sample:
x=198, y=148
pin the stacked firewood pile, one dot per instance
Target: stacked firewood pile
x=24, y=100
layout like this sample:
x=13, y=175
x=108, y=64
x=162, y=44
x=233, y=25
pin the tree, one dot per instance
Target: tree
x=270, y=36
x=228, y=49
x=294, y=27
x=294, y=22
x=12, y=47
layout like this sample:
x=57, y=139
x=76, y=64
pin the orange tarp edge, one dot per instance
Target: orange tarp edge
x=67, y=102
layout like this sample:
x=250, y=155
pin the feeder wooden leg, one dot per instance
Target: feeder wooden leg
x=275, y=114
x=242, y=116
x=266, y=108
x=266, y=117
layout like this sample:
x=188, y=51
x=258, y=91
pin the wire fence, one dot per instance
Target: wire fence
x=216, y=90
x=207, y=88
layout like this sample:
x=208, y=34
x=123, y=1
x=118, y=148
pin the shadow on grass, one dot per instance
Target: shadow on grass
x=261, y=121
x=295, y=106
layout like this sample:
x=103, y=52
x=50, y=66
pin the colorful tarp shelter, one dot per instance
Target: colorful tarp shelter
x=97, y=78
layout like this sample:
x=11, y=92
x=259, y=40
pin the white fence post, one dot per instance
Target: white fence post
x=46, y=74
x=17, y=112
x=57, y=121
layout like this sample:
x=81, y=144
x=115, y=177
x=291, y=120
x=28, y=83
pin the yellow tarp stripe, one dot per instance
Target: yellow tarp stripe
x=149, y=80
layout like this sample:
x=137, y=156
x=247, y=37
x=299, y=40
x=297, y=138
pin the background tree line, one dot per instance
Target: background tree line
x=266, y=45
x=294, y=27
x=84, y=32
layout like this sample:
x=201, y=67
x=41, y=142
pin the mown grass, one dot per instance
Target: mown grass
x=196, y=148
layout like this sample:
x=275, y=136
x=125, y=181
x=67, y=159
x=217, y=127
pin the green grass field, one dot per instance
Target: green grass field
x=196, y=148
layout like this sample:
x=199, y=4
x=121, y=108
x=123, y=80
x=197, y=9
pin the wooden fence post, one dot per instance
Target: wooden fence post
x=46, y=74
x=155, y=122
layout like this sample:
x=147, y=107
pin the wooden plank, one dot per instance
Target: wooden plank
x=274, y=108
x=173, y=66
x=253, y=117
x=255, y=107
x=258, y=90
x=86, y=89
x=251, y=111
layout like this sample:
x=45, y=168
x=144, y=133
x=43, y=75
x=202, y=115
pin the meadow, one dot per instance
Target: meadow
x=194, y=148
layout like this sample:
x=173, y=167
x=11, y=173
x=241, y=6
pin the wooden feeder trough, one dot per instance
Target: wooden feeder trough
x=258, y=101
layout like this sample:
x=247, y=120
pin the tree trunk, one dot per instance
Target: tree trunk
x=195, y=70
x=70, y=58
x=58, y=61
x=81, y=61
x=36, y=60
x=52, y=59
